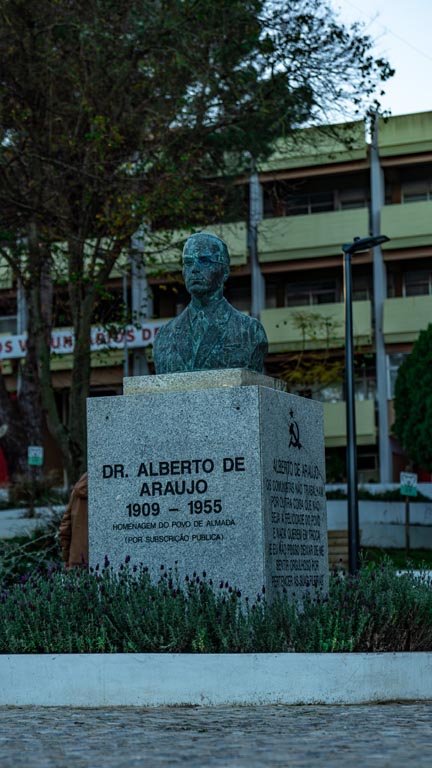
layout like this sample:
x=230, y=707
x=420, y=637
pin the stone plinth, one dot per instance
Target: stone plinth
x=226, y=479
x=181, y=382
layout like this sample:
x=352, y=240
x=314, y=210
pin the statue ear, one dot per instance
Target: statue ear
x=226, y=272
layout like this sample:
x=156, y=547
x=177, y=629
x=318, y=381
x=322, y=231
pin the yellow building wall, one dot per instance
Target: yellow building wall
x=315, y=327
x=301, y=237
x=405, y=317
x=409, y=225
x=405, y=134
x=335, y=423
x=318, y=146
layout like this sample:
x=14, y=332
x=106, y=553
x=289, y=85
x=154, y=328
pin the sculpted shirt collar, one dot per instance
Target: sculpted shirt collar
x=211, y=311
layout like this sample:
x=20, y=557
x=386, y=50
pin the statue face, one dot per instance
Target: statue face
x=204, y=269
x=202, y=275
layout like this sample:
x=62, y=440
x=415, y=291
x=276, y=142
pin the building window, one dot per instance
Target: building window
x=348, y=199
x=271, y=295
x=361, y=288
x=332, y=393
x=394, y=362
x=391, y=287
x=365, y=387
x=239, y=297
x=367, y=466
x=304, y=197
x=301, y=205
x=417, y=283
x=310, y=294
x=180, y=306
x=417, y=191
x=8, y=324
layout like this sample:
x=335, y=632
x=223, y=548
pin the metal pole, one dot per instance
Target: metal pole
x=359, y=244
x=380, y=293
x=125, y=346
x=255, y=217
x=142, y=300
x=21, y=325
x=407, y=527
x=353, y=516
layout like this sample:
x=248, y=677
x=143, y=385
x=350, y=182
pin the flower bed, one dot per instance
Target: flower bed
x=104, y=611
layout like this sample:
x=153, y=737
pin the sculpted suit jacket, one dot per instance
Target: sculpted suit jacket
x=230, y=340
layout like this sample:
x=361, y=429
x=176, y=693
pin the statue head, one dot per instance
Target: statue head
x=206, y=264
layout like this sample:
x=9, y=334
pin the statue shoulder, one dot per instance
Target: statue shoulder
x=254, y=326
x=171, y=325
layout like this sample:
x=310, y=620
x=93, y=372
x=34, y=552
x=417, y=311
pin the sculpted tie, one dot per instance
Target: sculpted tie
x=200, y=326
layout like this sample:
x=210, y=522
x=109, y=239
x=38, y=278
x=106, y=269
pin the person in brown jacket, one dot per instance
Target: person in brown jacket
x=73, y=531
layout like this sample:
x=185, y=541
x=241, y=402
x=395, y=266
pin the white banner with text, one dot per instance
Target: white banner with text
x=63, y=341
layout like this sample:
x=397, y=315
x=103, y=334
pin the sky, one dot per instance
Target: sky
x=402, y=30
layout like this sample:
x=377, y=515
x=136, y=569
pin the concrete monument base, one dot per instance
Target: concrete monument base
x=214, y=472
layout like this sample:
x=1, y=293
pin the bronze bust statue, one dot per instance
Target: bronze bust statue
x=209, y=333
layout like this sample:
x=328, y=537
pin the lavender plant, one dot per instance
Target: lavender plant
x=106, y=611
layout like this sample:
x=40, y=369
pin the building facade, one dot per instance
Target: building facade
x=322, y=189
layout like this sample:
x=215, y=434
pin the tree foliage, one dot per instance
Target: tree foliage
x=313, y=367
x=413, y=402
x=115, y=112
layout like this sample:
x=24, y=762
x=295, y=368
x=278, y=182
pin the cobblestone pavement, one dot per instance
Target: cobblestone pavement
x=393, y=735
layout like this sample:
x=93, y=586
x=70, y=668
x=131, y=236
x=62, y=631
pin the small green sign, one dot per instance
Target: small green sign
x=408, y=484
x=408, y=490
x=35, y=455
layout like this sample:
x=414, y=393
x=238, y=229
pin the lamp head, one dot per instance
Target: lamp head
x=364, y=243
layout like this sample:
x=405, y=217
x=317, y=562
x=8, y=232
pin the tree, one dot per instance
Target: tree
x=115, y=112
x=314, y=366
x=413, y=402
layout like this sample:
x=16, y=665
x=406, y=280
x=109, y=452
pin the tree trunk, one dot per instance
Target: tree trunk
x=30, y=395
x=38, y=394
x=80, y=385
x=82, y=297
x=46, y=390
x=13, y=439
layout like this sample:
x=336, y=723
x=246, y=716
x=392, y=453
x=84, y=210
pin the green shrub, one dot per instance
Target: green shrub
x=392, y=494
x=102, y=611
x=418, y=559
x=29, y=491
x=30, y=552
x=413, y=401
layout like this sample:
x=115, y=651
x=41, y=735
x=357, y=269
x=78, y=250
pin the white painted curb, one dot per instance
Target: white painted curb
x=101, y=680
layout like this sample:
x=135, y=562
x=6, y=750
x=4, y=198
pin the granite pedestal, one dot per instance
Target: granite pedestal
x=217, y=472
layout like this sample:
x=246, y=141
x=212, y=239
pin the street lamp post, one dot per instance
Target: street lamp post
x=358, y=244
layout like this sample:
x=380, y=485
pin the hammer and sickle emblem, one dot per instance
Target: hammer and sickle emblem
x=294, y=433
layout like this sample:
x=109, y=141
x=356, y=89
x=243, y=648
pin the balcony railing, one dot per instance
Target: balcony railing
x=317, y=146
x=304, y=237
x=405, y=134
x=409, y=225
x=319, y=326
x=404, y=318
x=335, y=423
